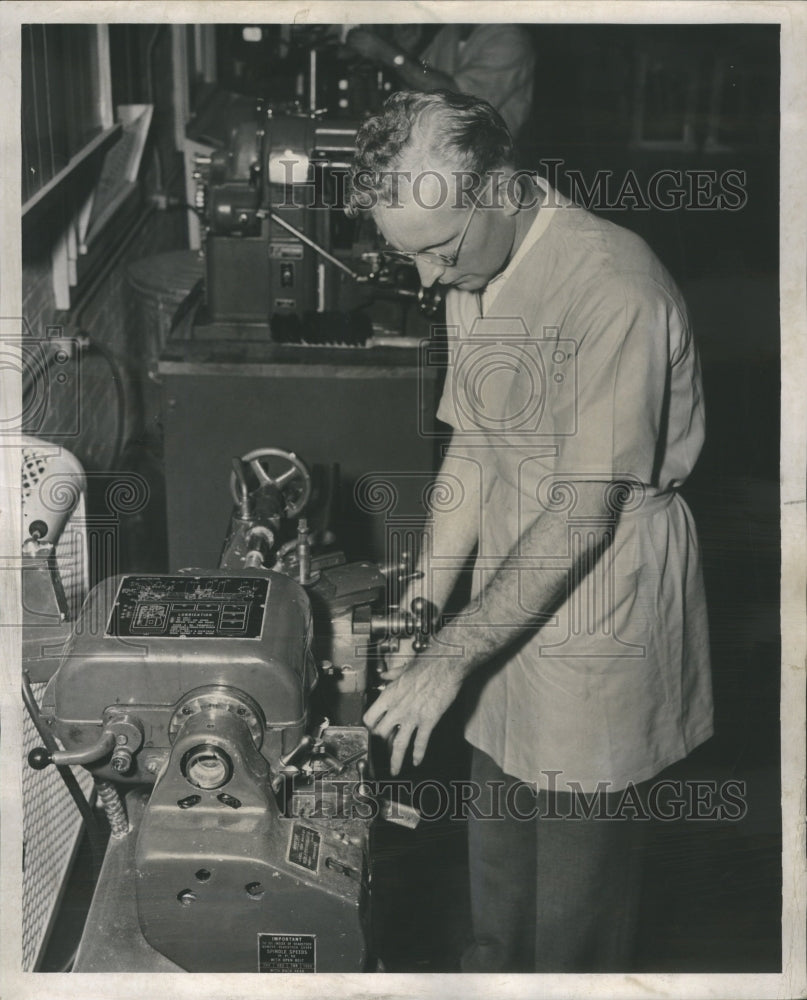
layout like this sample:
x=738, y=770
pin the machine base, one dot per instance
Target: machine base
x=112, y=940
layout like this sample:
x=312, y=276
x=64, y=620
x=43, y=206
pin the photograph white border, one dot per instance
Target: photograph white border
x=792, y=982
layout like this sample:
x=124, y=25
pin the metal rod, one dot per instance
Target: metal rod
x=89, y=755
x=343, y=763
x=94, y=836
x=314, y=246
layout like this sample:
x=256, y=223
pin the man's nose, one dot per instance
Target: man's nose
x=428, y=273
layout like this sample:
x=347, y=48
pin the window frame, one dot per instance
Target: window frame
x=64, y=203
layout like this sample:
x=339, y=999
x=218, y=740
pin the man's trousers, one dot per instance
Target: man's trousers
x=552, y=893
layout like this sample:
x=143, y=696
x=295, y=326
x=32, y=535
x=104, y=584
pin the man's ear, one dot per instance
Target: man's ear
x=505, y=190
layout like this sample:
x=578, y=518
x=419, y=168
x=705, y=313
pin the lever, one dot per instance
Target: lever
x=422, y=612
x=342, y=764
x=243, y=489
x=40, y=757
x=305, y=743
x=402, y=570
x=362, y=787
x=314, y=246
x=303, y=552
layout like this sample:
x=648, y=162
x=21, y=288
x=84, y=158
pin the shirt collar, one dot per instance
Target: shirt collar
x=552, y=201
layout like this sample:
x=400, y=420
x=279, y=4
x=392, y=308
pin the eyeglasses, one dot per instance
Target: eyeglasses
x=431, y=256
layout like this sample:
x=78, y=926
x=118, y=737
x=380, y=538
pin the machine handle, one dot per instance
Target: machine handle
x=423, y=615
x=305, y=743
x=242, y=489
x=362, y=786
x=296, y=470
x=39, y=757
x=314, y=246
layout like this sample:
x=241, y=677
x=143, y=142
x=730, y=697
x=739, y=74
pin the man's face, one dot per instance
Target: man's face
x=426, y=217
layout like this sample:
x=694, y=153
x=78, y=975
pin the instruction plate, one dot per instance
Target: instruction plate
x=176, y=607
x=304, y=844
x=287, y=953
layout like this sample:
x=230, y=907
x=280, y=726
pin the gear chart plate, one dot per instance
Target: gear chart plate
x=176, y=607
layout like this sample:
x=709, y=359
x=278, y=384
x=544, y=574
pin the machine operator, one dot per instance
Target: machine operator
x=493, y=61
x=575, y=399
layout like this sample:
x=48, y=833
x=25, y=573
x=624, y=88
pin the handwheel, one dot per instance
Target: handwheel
x=293, y=481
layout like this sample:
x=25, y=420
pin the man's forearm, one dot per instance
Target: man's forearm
x=449, y=535
x=414, y=73
x=517, y=598
x=514, y=600
x=421, y=76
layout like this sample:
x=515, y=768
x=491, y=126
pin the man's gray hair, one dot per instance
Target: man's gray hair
x=464, y=131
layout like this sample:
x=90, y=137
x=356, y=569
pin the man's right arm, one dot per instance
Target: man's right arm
x=449, y=536
x=411, y=71
x=453, y=525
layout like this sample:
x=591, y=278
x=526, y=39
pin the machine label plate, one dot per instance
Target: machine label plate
x=287, y=952
x=175, y=607
x=304, y=847
x=286, y=251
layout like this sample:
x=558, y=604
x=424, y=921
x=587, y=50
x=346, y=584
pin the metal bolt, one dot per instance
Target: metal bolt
x=121, y=739
x=186, y=897
x=121, y=761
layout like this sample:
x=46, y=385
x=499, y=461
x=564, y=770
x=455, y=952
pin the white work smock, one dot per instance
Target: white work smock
x=583, y=368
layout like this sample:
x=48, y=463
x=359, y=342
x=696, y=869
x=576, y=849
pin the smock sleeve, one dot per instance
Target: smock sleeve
x=633, y=351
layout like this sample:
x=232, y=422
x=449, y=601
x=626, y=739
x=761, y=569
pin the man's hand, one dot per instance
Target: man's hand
x=413, y=704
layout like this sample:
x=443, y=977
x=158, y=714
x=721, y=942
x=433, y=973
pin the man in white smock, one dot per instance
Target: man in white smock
x=574, y=393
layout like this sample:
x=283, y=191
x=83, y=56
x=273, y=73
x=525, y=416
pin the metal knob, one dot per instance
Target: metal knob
x=39, y=758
